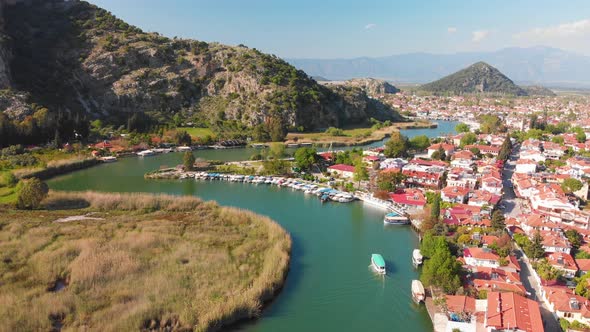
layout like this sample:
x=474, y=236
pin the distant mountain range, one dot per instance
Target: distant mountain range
x=534, y=65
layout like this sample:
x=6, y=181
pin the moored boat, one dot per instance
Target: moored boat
x=393, y=218
x=146, y=153
x=108, y=159
x=418, y=293
x=378, y=263
x=417, y=258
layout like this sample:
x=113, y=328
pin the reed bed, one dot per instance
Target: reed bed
x=56, y=167
x=153, y=263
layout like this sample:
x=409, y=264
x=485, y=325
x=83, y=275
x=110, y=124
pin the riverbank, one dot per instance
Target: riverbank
x=355, y=136
x=166, y=262
x=55, y=168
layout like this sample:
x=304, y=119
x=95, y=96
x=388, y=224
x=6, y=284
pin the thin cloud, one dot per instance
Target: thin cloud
x=479, y=35
x=370, y=26
x=573, y=36
x=451, y=29
x=571, y=29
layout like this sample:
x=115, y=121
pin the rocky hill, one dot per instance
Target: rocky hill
x=537, y=90
x=81, y=62
x=477, y=78
x=373, y=87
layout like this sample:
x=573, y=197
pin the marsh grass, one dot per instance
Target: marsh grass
x=154, y=262
x=55, y=167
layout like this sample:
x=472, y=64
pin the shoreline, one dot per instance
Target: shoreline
x=340, y=141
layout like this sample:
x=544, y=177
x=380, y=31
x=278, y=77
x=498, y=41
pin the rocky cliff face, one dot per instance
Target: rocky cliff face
x=74, y=57
x=373, y=87
x=5, y=52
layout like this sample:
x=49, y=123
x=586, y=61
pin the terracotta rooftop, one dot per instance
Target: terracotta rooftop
x=512, y=311
x=460, y=303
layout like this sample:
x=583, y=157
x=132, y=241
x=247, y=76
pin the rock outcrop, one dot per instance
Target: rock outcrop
x=373, y=87
x=75, y=57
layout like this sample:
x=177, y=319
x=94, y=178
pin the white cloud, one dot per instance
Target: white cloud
x=479, y=35
x=370, y=26
x=574, y=36
x=451, y=29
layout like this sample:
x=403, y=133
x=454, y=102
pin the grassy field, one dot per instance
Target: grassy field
x=140, y=262
x=352, y=136
x=198, y=132
x=7, y=195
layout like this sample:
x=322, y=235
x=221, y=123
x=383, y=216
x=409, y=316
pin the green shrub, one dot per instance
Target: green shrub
x=8, y=180
x=335, y=131
x=30, y=193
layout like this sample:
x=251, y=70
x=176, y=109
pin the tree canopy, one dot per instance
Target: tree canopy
x=505, y=149
x=305, y=158
x=30, y=193
x=462, y=128
x=535, y=248
x=397, y=146
x=491, y=124
x=360, y=171
x=468, y=139
x=441, y=269
x=420, y=143
x=435, y=209
x=389, y=181
x=570, y=185
x=188, y=160
x=498, y=221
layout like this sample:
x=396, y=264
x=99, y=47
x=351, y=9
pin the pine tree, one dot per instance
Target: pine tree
x=505, y=149
x=188, y=161
x=498, y=221
x=435, y=210
x=360, y=172
x=535, y=249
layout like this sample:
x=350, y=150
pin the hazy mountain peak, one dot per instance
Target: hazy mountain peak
x=480, y=77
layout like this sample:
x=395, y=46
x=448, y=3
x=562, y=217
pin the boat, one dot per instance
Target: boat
x=146, y=153
x=324, y=198
x=376, y=202
x=418, y=293
x=417, y=258
x=378, y=263
x=184, y=148
x=108, y=159
x=393, y=218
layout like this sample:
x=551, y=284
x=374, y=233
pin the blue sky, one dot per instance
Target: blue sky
x=351, y=28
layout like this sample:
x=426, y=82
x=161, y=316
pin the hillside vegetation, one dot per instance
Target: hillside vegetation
x=477, y=78
x=81, y=63
x=121, y=262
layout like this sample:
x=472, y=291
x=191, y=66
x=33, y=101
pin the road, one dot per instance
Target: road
x=512, y=206
x=513, y=209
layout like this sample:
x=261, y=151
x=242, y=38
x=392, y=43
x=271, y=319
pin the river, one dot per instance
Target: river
x=330, y=286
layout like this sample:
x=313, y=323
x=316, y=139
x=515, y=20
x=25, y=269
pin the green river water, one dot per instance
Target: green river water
x=330, y=286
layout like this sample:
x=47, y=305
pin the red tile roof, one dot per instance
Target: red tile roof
x=455, y=191
x=409, y=197
x=428, y=162
x=561, y=297
x=512, y=311
x=342, y=167
x=480, y=253
x=583, y=264
x=445, y=146
x=460, y=303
